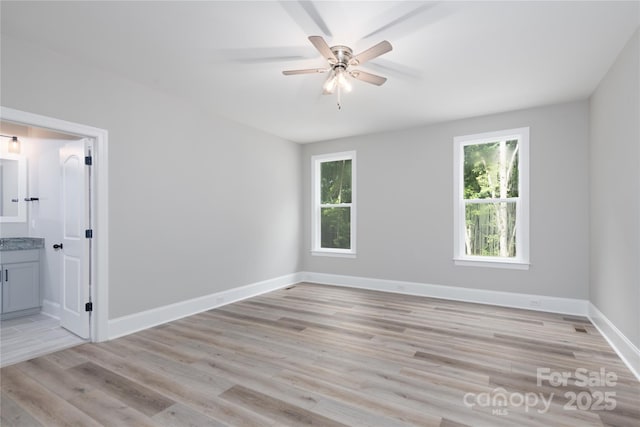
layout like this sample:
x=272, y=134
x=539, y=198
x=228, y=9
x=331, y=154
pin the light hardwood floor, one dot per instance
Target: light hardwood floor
x=329, y=356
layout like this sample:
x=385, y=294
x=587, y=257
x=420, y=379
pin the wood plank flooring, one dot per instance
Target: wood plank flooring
x=330, y=356
x=27, y=337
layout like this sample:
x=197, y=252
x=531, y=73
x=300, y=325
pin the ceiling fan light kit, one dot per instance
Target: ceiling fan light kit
x=341, y=59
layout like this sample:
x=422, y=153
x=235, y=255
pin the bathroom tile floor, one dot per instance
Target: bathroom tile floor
x=24, y=338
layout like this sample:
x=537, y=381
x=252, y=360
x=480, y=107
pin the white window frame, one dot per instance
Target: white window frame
x=316, y=206
x=521, y=260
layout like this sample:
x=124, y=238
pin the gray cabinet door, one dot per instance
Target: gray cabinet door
x=20, y=286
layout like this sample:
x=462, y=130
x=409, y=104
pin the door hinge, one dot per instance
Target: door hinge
x=88, y=234
x=88, y=306
x=88, y=160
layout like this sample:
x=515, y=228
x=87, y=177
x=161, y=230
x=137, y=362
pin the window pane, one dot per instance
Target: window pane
x=335, y=178
x=490, y=229
x=491, y=170
x=335, y=228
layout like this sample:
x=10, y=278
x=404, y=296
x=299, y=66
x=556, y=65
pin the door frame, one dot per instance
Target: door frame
x=99, y=209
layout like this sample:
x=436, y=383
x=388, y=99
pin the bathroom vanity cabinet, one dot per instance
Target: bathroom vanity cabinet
x=20, y=282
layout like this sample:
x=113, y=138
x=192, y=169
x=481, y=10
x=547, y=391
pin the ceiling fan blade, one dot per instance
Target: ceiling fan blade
x=409, y=19
x=306, y=15
x=305, y=71
x=368, y=77
x=313, y=13
x=373, y=52
x=393, y=68
x=323, y=48
x=263, y=55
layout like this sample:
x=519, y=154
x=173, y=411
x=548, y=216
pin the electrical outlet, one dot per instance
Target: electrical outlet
x=535, y=303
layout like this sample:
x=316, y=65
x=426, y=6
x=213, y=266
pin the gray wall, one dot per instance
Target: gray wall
x=197, y=204
x=405, y=204
x=615, y=193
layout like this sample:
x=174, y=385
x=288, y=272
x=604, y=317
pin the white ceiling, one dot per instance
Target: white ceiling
x=450, y=59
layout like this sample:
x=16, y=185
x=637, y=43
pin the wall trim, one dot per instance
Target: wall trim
x=50, y=308
x=628, y=352
x=625, y=349
x=146, y=319
x=571, y=306
x=100, y=209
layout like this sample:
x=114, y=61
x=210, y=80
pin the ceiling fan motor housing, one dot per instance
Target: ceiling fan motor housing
x=340, y=59
x=343, y=56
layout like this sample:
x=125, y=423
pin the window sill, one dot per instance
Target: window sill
x=492, y=263
x=334, y=254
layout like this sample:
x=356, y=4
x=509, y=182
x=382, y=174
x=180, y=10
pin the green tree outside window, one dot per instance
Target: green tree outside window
x=335, y=201
x=490, y=197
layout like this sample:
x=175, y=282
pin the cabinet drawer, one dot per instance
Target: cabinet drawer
x=29, y=255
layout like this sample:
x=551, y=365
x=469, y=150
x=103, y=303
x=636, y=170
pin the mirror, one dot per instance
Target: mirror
x=13, y=188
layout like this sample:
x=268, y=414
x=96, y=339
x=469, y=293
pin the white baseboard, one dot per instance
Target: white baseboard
x=571, y=306
x=50, y=308
x=629, y=353
x=136, y=322
x=125, y=325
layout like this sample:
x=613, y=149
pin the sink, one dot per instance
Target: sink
x=21, y=243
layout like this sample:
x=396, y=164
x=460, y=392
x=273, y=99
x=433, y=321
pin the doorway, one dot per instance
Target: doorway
x=74, y=160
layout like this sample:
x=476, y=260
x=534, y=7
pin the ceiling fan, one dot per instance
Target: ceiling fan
x=341, y=60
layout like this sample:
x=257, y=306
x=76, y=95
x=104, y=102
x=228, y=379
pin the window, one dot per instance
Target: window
x=491, y=199
x=333, y=212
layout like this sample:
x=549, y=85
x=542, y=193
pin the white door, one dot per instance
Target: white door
x=75, y=285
